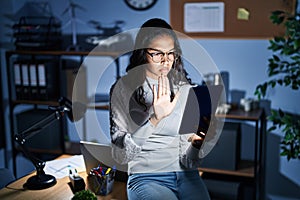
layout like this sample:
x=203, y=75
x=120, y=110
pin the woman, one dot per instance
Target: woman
x=146, y=109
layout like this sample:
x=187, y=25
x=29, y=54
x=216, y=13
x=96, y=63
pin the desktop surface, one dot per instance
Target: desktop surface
x=61, y=190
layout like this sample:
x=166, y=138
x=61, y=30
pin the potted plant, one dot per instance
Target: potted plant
x=284, y=70
x=84, y=195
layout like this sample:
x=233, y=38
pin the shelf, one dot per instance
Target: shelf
x=52, y=103
x=98, y=106
x=65, y=53
x=99, y=102
x=253, y=115
x=245, y=169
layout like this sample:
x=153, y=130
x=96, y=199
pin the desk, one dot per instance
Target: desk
x=61, y=190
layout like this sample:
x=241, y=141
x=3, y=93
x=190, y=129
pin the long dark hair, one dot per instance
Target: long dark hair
x=150, y=30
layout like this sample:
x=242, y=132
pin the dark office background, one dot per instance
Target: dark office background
x=244, y=59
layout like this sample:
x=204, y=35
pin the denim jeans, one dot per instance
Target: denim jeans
x=167, y=185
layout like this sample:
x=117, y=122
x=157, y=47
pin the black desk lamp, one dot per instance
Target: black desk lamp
x=42, y=180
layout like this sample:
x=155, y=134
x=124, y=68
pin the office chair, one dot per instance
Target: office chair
x=6, y=176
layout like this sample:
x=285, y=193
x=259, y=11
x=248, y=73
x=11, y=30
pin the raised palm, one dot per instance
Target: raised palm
x=162, y=104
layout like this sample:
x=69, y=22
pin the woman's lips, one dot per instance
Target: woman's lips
x=164, y=70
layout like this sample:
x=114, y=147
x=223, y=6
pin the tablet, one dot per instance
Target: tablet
x=202, y=102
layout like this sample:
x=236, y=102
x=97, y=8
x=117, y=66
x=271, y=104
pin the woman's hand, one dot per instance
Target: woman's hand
x=162, y=104
x=197, y=140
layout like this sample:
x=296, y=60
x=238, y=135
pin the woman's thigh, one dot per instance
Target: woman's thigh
x=191, y=186
x=158, y=186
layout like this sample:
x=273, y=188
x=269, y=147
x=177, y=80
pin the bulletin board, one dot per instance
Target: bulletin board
x=241, y=19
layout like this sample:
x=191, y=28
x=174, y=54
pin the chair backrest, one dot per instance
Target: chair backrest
x=6, y=177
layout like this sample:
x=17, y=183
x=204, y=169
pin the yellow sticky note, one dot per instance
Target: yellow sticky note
x=243, y=14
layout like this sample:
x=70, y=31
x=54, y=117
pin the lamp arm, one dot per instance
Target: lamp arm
x=39, y=164
x=22, y=137
x=41, y=180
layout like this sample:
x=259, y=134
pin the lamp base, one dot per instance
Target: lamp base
x=39, y=182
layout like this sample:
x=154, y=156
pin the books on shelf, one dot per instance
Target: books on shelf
x=17, y=80
x=36, y=80
x=42, y=80
x=33, y=80
x=25, y=81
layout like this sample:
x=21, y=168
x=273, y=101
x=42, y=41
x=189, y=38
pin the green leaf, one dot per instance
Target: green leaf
x=295, y=86
x=272, y=128
x=281, y=113
x=276, y=58
x=287, y=80
x=277, y=19
x=273, y=83
x=297, y=44
x=277, y=12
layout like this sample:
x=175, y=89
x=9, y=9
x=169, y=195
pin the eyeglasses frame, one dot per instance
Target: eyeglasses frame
x=161, y=52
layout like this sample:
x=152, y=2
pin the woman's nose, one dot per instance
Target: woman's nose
x=165, y=58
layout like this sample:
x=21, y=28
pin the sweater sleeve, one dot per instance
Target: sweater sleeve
x=191, y=157
x=129, y=125
x=188, y=155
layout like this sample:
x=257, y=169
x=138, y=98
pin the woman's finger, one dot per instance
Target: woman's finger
x=167, y=85
x=160, y=87
x=154, y=94
x=163, y=85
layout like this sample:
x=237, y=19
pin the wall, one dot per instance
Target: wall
x=246, y=60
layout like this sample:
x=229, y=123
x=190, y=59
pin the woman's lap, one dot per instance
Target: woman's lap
x=167, y=185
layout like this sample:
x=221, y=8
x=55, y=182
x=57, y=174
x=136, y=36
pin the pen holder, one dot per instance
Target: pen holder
x=100, y=184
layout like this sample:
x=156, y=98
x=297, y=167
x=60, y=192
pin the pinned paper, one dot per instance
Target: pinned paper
x=204, y=17
x=243, y=14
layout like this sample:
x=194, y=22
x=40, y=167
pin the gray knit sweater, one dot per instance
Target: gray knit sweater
x=144, y=147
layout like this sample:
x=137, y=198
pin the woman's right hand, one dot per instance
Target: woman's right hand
x=197, y=139
x=162, y=104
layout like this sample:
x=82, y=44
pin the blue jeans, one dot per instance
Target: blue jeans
x=167, y=185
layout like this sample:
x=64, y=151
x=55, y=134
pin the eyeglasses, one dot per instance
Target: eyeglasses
x=159, y=56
